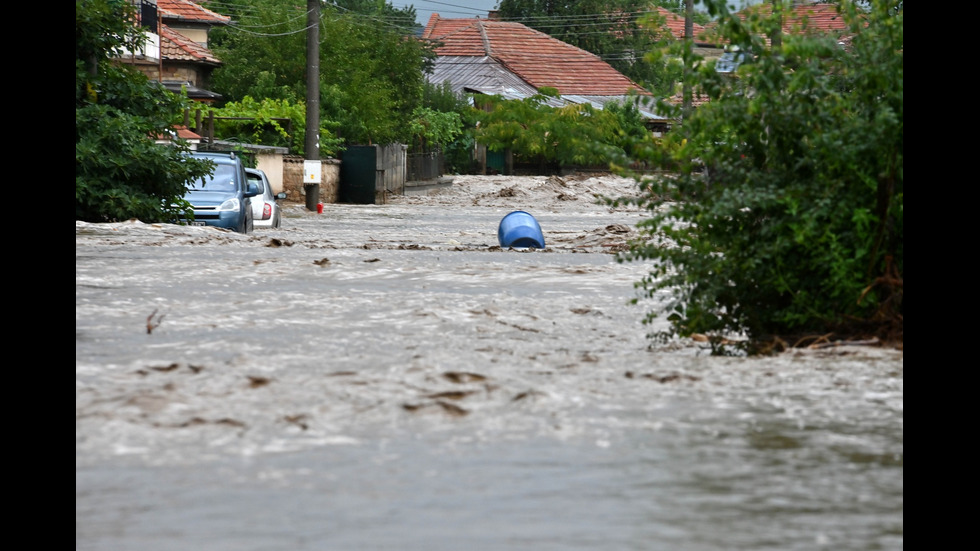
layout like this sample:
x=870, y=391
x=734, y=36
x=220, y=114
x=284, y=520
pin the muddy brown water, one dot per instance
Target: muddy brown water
x=387, y=377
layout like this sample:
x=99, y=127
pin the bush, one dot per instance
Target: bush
x=120, y=172
x=784, y=218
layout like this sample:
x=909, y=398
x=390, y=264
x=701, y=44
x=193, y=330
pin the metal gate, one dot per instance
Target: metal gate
x=368, y=173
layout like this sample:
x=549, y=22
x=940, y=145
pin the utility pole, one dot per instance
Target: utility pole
x=689, y=53
x=311, y=164
x=777, y=39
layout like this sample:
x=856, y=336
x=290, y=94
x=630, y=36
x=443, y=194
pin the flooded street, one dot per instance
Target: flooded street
x=387, y=377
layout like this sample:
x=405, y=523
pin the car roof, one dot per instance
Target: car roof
x=216, y=156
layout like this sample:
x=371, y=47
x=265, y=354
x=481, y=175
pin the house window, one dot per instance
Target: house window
x=148, y=14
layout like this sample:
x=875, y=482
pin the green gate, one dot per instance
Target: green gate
x=369, y=172
x=497, y=160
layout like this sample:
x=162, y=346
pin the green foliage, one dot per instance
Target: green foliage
x=457, y=109
x=263, y=123
x=569, y=135
x=371, y=72
x=785, y=214
x=264, y=54
x=433, y=129
x=372, y=80
x=442, y=98
x=402, y=19
x=103, y=30
x=120, y=172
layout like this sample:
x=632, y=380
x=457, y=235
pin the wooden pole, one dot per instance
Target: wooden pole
x=311, y=182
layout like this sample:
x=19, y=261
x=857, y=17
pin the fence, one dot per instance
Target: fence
x=424, y=166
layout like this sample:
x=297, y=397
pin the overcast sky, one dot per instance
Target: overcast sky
x=473, y=8
x=449, y=10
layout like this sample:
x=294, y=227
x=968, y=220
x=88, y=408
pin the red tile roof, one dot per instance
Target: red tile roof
x=185, y=10
x=675, y=24
x=817, y=17
x=179, y=131
x=532, y=55
x=177, y=47
x=813, y=18
x=697, y=99
x=185, y=133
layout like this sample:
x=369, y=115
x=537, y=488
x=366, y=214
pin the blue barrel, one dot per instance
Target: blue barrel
x=520, y=230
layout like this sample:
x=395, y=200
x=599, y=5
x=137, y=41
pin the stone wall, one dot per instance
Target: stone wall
x=292, y=179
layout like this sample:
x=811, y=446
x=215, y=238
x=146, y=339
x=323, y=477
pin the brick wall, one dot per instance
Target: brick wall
x=292, y=179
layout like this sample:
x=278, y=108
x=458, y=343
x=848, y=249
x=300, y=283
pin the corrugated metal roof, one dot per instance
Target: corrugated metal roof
x=193, y=92
x=482, y=73
x=599, y=102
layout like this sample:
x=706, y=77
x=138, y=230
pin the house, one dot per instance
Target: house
x=802, y=18
x=486, y=56
x=177, y=53
x=805, y=18
x=674, y=24
x=809, y=18
x=513, y=61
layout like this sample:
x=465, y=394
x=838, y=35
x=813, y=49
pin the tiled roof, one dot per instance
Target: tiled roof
x=177, y=47
x=179, y=131
x=185, y=133
x=697, y=99
x=187, y=11
x=535, y=57
x=675, y=24
x=818, y=17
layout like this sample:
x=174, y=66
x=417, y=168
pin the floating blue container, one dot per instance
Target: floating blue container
x=520, y=230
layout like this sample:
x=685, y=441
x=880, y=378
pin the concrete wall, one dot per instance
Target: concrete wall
x=272, y=165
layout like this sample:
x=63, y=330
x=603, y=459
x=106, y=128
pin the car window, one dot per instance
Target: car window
x=257, y=180
x=223, y=179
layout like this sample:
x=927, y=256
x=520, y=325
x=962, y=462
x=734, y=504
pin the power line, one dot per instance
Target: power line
x=463, y=10
x=581, y=22
x=248, y=28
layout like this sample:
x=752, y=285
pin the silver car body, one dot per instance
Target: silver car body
x=266, y=212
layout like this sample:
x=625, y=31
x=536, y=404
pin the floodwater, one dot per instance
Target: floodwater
x=386, y=377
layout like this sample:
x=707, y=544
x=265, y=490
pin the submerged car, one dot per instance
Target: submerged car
x=222, y=199
x=266, y=212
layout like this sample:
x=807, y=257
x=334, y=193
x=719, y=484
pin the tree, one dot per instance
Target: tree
x=783, y=216
x=371, y=70
x=264, y=122
x=452, y=107
x=120, y=172
x=402, y=19
x=432, y=129
x=576, y=134
x=264, y=54
x=372, y=78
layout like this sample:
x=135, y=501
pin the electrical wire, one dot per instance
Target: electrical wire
x=581, y=21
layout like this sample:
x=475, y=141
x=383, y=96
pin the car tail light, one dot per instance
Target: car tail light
x=266, y=211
